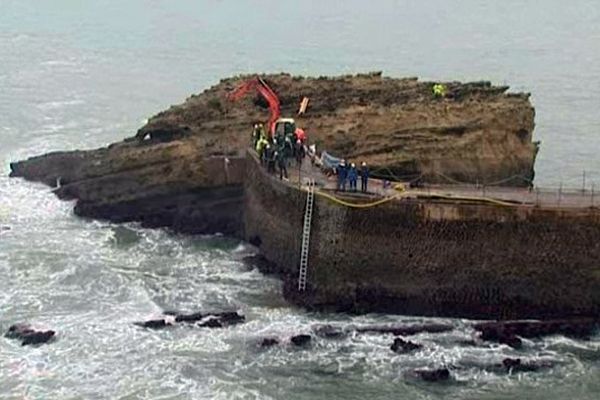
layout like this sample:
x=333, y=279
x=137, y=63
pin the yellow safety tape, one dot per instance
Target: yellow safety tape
x=355, y=205
x=401, y=189
x=468, y=198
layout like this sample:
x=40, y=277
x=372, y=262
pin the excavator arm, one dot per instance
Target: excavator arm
x=266, y=92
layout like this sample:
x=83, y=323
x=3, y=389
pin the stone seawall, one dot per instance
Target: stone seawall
x=429, y=257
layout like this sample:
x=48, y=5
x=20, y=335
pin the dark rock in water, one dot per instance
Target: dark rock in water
x=17, y=331
x=328, y=331
x=517, y=365
x=404, y=346
x=210, y=320
x=301, y=340
x=433, y=375
x=269, y=342
x=195, y=317
x=171, y=313
x=511, y=340
x=154, y=324
x=37, y=337
x=229, y=318
x=581, y=328
x=27, y=335
x=211, y=323
x=407, y=330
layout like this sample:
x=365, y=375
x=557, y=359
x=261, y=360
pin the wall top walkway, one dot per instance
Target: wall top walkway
x=298, y=175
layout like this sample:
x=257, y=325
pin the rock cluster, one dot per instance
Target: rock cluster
x=204, y=320
x=27, y=335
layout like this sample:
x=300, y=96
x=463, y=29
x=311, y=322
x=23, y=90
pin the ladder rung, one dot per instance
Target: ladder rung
x=304, y=251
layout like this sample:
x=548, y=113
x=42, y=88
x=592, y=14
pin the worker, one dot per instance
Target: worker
x=439, y=90
x=255, y=135
x=352, y=177
x=261, y=131
x=267, y=155
x=282, y=165
x=272, y=160
x=364, y=177
x=299, y=151
x=342, y=171
x=288, y=148
x=260, y=147
x=301, y=135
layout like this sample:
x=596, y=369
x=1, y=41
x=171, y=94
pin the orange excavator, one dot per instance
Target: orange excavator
x=275, y=123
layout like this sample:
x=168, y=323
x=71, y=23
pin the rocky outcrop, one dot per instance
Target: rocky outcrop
x=158, y=184
x=179, y=177
x=478, y=133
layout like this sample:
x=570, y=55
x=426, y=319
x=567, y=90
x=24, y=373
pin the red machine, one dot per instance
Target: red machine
x=266, y=92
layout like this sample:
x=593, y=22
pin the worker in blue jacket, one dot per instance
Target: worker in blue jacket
x=352, y=177
x=342, y=173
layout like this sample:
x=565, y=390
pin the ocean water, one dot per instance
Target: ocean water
x=79, y=74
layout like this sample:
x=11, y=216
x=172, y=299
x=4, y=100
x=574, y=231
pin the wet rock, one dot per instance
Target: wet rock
x=38, y=337
x=301, y=340
x=195, y=317
x=269, y=342
x=433, y=375
x=406, y=330
x=28, y=335
x=404, y=346
x=517, y=365
x=208, y=320
x=507, y=331
x=17, y=330
x=155, y=323
x=211, y=323
x=328, y=331
x=512, y=341
x=229, y=318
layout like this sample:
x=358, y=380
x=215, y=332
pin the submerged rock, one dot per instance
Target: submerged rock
x=301, y=340
x=269, y=342
x=328, y=331
x=155, y=323
x=194, y=317
x=404, y=346
x=407, y=330
x=28, y=335
x=517, y=365
x=433, y=375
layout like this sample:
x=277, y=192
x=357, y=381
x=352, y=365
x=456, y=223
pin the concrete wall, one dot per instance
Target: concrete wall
x=430, y=257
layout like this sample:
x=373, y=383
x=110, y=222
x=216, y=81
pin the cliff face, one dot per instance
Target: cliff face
x=477, y=134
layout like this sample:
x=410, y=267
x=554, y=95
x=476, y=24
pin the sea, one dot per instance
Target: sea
x=81, y=74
